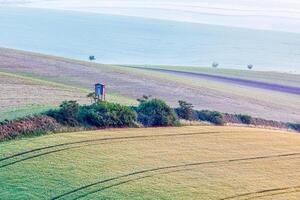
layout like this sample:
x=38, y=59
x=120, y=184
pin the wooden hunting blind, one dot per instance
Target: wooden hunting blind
x=100, y=91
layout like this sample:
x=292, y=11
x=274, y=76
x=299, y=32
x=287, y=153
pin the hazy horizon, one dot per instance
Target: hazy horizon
x=114, y=31
x=133, y=40
x=280, y=15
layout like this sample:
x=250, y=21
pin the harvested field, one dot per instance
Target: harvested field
x=17, y=92
x=204, y=162
x=129, y=83
x=23, y=95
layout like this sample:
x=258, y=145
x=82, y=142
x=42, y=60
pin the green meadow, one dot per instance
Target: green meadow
x=197, y=162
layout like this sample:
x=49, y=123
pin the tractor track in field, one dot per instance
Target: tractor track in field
x=279, y=191
x=127, y=181
x=172, y=167
x=56, y=151
x=264, y=193
x=125, y=138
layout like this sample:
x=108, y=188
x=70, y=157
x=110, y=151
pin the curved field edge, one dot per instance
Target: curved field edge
x=203, y=162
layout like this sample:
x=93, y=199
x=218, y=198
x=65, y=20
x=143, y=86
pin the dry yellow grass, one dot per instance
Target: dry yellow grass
x=195, y=162
x=18, y=91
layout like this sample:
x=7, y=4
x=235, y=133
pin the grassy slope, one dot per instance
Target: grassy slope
x=225, y=161
x=133, y=83
x=78, y=89
x=38, y=95
x=23, y=111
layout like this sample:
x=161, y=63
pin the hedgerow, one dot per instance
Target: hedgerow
x=294, y=126
x=210, y=116
x=155, y=112
x=105, y=114
x=245, y=119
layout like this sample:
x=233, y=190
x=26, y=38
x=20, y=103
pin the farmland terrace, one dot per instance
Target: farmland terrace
x=126, y=84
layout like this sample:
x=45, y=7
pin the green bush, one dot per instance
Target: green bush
x=105, y=114
x=210, y=116
x=245, y=119
x=294, y=126
x=155, y=112
x=185, y=110
x=66, y=114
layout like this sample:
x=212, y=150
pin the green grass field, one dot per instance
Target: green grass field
x=198, y=162
x=19, y=112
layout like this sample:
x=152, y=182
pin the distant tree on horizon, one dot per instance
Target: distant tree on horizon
x=215, y=64
x=92, y=58
x=250, y=66
x=92, y=97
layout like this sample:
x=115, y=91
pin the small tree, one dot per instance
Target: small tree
x=245, y=119
x=250, y=66
x=185, y=110
x=92, y=96
x=92, y=58
x=144, y=98
x=66, y=114
x=215, y=64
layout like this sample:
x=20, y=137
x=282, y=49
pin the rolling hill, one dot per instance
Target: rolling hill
x=204, y=162
x=125, y=84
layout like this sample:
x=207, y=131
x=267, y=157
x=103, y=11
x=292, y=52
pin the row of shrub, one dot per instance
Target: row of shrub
x=186, y=111
x=294, y=126
x=150, y=112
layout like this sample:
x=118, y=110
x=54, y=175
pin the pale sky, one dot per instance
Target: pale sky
x=283, y=15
